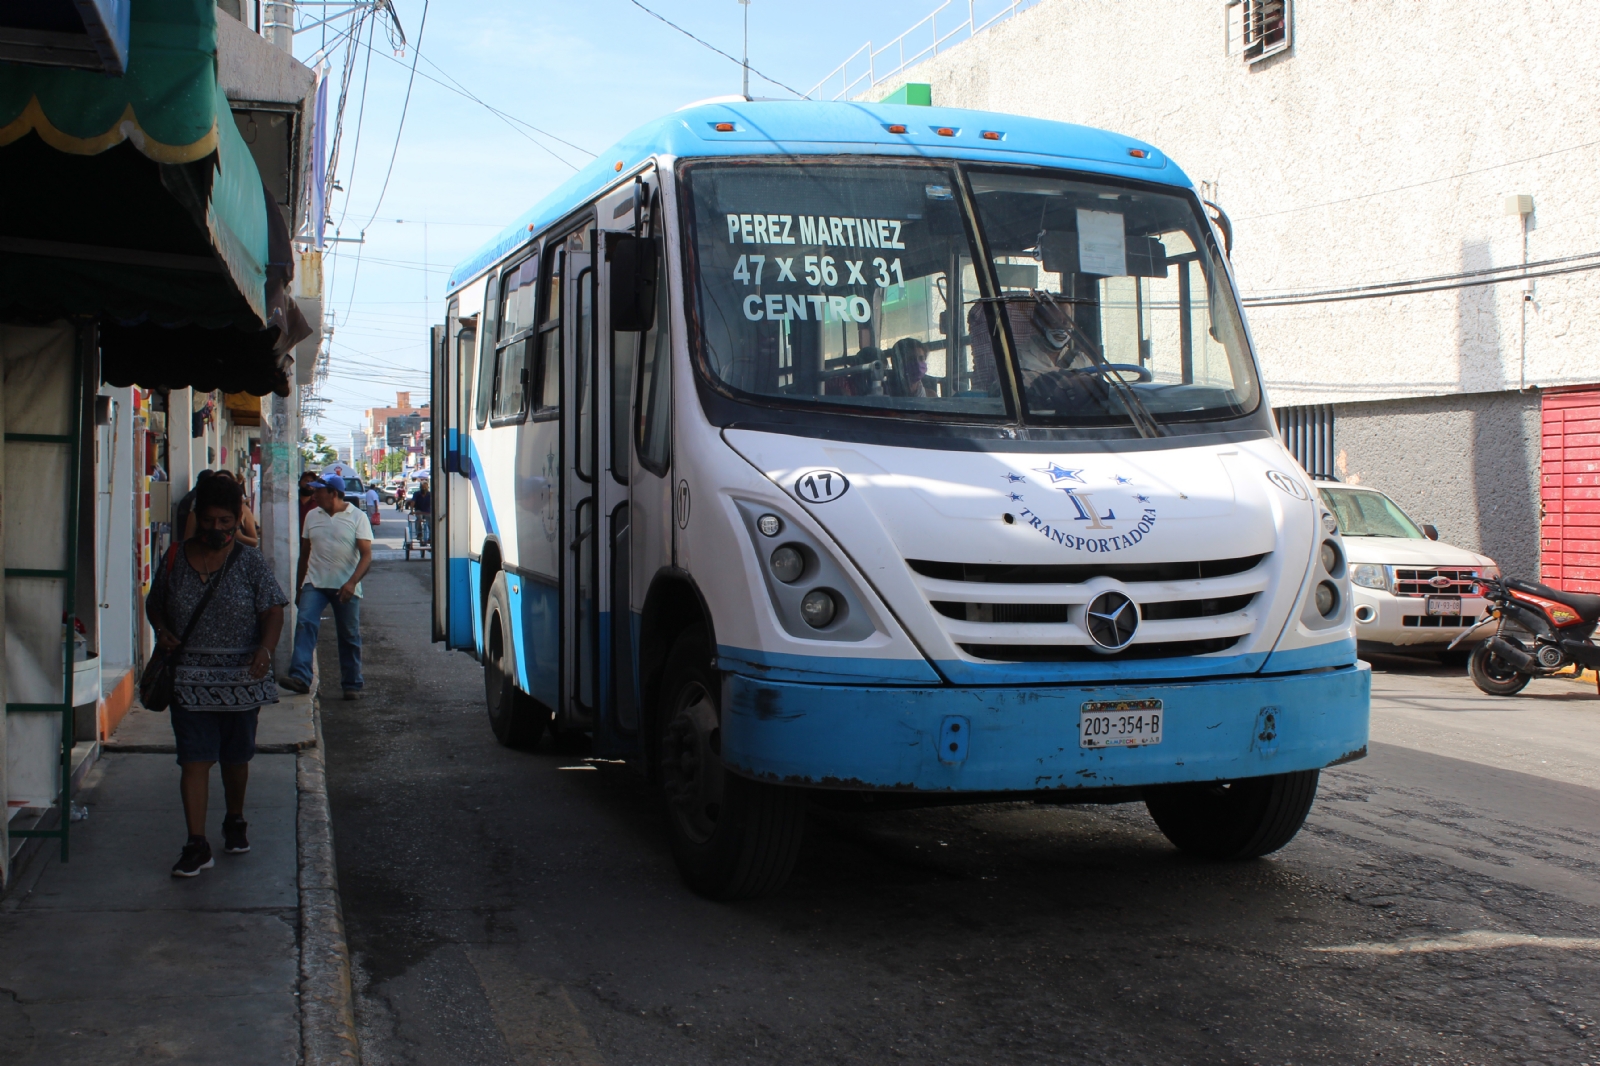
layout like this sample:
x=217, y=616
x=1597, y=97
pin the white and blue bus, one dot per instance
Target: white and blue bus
x=804, y=452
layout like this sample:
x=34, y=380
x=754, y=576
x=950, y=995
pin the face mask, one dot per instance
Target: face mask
x=217, y=538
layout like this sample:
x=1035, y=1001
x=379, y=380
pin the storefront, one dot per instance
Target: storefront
x=147, y=331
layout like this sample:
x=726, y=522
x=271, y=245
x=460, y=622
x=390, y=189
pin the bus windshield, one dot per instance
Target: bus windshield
x=856, y=285
x=842, y=284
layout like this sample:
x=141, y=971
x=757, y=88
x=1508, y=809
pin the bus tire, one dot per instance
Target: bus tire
x=1242, y=819
x=517, y=719
x=733, y=838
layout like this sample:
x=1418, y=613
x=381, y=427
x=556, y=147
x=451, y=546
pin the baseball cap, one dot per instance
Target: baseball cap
x=329, y=481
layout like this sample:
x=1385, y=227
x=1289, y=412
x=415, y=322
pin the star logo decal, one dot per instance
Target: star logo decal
x=1120, y=480
x=1141, y=499
x=1059, y=473
x=1014, y=497
x=1014, y=478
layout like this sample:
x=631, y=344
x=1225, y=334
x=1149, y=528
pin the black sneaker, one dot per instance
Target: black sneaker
x=294, y=684
x=352, y=694
x=196, y=857
x=234, y=842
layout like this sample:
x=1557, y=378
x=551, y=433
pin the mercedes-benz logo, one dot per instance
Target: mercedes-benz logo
x=1111, y=620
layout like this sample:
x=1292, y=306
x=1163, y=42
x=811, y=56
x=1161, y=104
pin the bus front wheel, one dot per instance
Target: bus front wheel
x=1242, y=819
x=516, y=718
x=732, y=838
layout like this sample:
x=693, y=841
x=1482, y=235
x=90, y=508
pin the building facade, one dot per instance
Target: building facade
x=1426, y=148
x=159, y=308
x=377, y=431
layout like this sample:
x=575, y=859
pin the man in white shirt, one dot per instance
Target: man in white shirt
x=371, y=499
x=335, y=553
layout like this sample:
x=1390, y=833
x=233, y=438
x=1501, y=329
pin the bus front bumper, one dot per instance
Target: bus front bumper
x=1026, y=739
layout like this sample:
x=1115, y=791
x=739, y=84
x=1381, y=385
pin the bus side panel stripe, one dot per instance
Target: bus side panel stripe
x=480, y=491
x=475, y=577
x=536, y=633
x=461, y=631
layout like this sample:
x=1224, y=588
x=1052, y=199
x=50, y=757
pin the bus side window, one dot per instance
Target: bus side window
x=544, y=373
x=653, y=429
x=516, y=338
x=491, y=306
x=624, y=346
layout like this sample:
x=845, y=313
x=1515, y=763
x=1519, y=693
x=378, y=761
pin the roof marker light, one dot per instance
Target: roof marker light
x=1137, y=153
x=723, y=127
x=897, y=128
x=530, y=227
x=991, y=135
x=618, y=166
x=945, y=131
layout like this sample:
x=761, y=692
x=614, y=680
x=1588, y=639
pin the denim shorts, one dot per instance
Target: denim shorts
x=228, y=737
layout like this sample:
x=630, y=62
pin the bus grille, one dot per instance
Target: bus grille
x=1074, y=653
x=1022, y=613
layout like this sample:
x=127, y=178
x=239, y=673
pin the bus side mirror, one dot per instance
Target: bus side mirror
x=632, y=281
x=1430, y=531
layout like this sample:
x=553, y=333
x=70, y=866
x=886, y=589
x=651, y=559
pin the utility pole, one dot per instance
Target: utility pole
x=746, y=5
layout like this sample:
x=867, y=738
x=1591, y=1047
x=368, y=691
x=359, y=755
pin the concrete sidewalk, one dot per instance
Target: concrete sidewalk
x=109, y=959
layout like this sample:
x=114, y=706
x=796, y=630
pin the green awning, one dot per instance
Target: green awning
x=165, y=104
x=135, y=197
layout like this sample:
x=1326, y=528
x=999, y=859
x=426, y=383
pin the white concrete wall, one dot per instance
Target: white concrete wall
x=1380, y=147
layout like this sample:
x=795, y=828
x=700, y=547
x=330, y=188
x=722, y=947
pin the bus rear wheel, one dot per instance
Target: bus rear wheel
x=732, y=838
x=517, y=719
x=1242, y=819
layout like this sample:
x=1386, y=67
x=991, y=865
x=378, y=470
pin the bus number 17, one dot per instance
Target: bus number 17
x=820, y=486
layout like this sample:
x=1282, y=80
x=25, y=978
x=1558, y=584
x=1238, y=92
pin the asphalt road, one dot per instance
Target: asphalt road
x=513, y=907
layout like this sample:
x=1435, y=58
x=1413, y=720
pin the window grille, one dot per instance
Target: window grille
x=1258, y=28
x=1308, y=434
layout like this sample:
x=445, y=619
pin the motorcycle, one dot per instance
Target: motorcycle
x=1541, y=630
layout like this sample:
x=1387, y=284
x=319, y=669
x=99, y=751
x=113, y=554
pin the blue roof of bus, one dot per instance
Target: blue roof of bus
x=804, y=127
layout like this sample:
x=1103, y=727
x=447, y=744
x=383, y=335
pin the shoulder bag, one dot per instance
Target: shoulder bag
x=157, y=682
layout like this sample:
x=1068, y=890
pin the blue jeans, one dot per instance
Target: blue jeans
x=346, y=619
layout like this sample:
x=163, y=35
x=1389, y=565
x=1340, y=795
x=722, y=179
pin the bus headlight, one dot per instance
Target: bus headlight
x=817, y=608
x=1327, y=599
x=1370, y=576
x=787, y=564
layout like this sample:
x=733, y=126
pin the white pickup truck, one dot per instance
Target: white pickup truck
x=1412, y=592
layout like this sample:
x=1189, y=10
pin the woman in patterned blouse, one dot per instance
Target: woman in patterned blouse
x=224, y=673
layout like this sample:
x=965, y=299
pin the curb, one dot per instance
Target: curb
x=327, y=1013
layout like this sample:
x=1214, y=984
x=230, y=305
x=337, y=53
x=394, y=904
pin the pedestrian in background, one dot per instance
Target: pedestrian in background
x=308, y=499
x=224, y=673
x=335, y=553
x=422, y=507
x=249, y=533
x=372, y=499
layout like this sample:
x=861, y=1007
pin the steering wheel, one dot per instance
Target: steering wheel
x=1141, y=372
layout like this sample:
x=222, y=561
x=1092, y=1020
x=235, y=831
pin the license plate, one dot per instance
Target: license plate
x=1444, y=604
x=1120, y=724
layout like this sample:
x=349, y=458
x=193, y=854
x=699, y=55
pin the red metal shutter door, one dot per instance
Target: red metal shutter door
x=1569, y=490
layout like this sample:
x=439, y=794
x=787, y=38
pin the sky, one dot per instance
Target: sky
x=584, y=73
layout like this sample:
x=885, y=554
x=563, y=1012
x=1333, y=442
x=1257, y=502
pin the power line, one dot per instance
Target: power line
x=405, y=107
x=1308, y=298
x=457, y=87
x=715, y=49
x=509, y=119
x=394, y=151
x=1420, y=184
x=1268, y=294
